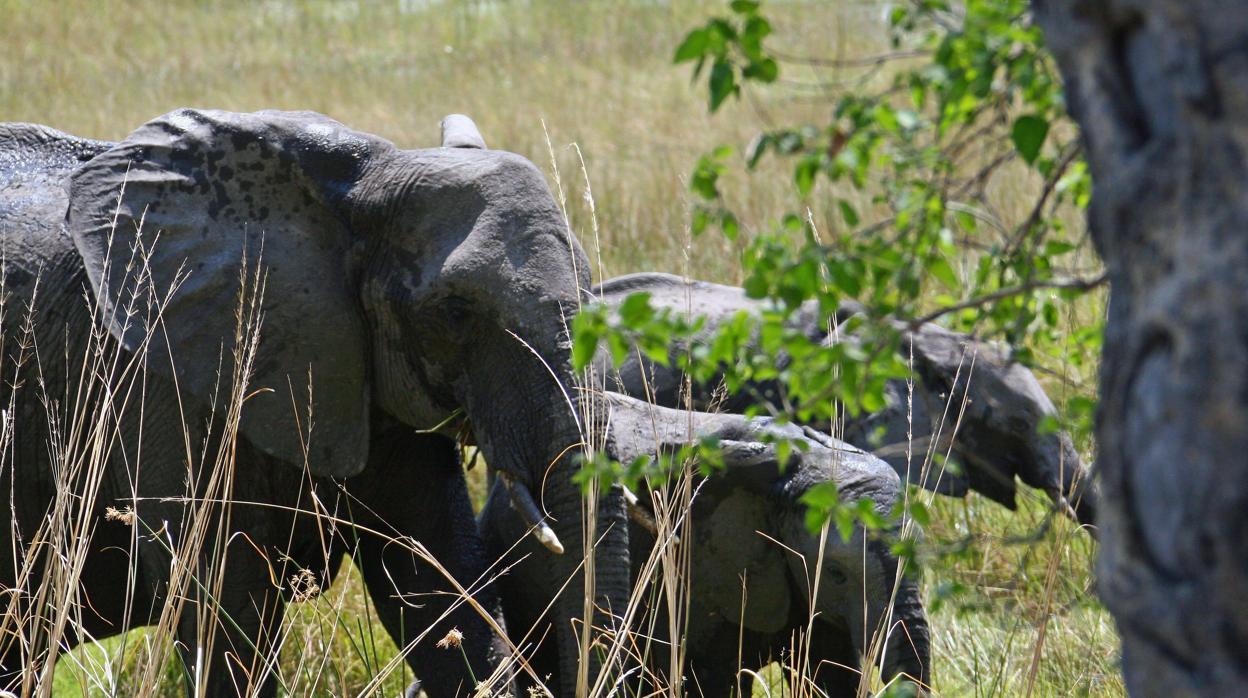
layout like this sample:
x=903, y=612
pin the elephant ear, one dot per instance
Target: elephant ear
x=207, y=195
x=730, y=545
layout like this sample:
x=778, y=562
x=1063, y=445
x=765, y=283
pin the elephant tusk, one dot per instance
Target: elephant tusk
x=641, y=516
x=522, y=502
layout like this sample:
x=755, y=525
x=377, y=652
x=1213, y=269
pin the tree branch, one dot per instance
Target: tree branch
x=864, y=62
x=979, y=301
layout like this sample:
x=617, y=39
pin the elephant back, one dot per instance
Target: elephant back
x=35, y=162
x=35, y=165
x=35, y=153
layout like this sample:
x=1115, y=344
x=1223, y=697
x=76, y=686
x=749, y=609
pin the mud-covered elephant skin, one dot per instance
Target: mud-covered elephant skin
x=968, y=402
x=399, y=286
x=746, y=521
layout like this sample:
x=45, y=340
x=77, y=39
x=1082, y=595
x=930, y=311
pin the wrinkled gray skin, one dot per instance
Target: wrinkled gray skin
x=733, y=514
x=994, y=437
x=401, y=281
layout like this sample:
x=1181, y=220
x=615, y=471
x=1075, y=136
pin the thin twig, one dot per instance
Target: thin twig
x=864, y=62
x=979, y=301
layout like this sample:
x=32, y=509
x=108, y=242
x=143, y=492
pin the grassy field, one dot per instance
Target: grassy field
x=586, y=90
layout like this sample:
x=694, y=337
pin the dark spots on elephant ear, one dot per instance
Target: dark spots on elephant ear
x=263, y=213
x=202, y=183
x=220, y=201
x=182, y=157
x=240, y=140
x=226, y=173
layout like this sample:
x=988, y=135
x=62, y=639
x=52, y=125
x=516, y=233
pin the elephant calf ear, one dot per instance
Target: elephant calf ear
x=208, y=190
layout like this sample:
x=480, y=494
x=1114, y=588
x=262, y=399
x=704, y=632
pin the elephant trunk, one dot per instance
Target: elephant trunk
x=610, y=581
x=908, y=650
x=533, y=432
x=1078, y=484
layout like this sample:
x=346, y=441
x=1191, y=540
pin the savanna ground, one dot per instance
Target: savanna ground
x=588, y=92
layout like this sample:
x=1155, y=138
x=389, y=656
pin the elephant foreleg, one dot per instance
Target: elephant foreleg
x=834, y=662
x=414, y=492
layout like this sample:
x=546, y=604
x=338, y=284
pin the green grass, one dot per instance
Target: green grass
x=597, y=75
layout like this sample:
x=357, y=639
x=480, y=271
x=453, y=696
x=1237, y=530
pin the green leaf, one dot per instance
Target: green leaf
x=766, y=70
x=756, y=29
x=1053, y=248
x=820, y=500
x=723, y=83
x=804, y=175
x=844, y=517
x=744, y=7
x=1048, y=424
x=693, y=47
x=636, y=309
x=619, y=348
x=756, y=149
x=848, y=213
x=728, y=223
x=586, y=331
x=701, y=219
x=1028, y=135
x=705, y=178
x=864, y=509
x=919, y=513
x=939, y=267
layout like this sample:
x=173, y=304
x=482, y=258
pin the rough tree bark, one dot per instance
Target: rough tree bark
x=1160, y=89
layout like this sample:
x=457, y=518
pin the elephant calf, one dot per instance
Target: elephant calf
x=968, y=401
x=745, y=523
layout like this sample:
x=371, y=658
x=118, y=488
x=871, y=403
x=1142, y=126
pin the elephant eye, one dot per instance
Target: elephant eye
x=457, y=312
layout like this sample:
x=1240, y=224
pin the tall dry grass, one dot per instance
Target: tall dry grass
x=1015, y=613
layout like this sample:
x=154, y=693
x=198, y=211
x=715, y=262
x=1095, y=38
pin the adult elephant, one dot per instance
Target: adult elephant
x=753, y=567
x=398, y=287
x=967, y=402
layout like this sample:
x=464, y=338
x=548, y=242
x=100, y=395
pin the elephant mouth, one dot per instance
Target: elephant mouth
x=518, y=493
x=523, y=503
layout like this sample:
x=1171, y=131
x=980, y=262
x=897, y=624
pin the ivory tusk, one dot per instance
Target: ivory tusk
x=641, y=516
x=522, y=502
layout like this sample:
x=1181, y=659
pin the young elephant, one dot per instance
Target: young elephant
x=400, y=286
x=968, y=401
x=746, y=523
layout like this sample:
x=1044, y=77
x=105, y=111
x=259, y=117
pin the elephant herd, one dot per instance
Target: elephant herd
x=231, y=346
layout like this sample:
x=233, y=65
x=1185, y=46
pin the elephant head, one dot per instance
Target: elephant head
x=857, y=588
x=414, y=282
x=995, y=436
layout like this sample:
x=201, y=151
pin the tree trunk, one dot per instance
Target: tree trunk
x=1160, y=90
